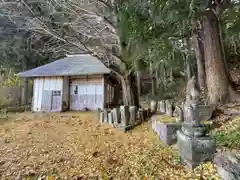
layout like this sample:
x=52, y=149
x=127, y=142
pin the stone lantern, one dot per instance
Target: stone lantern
x=193, y=141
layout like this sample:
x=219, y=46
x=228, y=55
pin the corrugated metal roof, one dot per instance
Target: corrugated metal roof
x=82, y=64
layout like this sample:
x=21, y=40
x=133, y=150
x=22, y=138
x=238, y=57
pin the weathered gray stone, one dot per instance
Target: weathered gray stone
x=191, y=114
x=133, y=115
x=167, y=131
x=169, y=108
x=162, y=106
x=205, y=112
x=125, y=115
x=98, y=113
x=110, y=118
x=105, y=115
x=195, y=150
x=101, y=118
x=178, y=113
x=202, y=112
x=228, y=165
x=153, y=106
x=116, y=116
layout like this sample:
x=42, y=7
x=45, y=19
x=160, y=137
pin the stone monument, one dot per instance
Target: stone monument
x=169, y=108
x=125, y=118
x=116, y=116
x=162, y=106
x=133, y=115
x=153, y=106
x=101, y=117
x=110, y=118
x=105, y=115
x=194, y=144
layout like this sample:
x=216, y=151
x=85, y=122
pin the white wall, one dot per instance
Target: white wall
x=90, y=92
x=44, y=83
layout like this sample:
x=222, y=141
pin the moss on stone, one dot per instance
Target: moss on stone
x=166, y=119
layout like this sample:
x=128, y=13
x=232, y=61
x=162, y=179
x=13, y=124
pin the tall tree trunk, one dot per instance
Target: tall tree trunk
x=130, y=95
x=189, y=69
x=216, y=76
x=199, y=53
x=220, y=24
x=153, y=79
x=138, y=74
x=158, y=80
x=116, y=95
x=164, y=79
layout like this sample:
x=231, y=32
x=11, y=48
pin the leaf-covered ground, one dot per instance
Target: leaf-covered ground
x=75, y=146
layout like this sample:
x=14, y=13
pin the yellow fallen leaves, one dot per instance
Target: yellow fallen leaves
x=74, y=145
x=230, y=125
x=206, y=171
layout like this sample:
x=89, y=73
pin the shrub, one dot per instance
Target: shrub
x=229, y=139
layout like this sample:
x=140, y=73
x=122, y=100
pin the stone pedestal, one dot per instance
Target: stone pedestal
x=167, y=131
x=195, y=150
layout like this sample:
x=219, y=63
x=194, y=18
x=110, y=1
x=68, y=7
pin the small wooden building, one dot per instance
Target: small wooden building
x=76, y=82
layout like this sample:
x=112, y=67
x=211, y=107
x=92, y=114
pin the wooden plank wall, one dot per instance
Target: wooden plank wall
x=44, y=84
x=90, y=92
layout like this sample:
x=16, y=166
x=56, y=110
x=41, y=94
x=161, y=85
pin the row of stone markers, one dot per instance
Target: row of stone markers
x=167, y=107
x=123, y=117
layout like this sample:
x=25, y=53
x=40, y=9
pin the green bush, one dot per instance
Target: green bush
x=229, y=139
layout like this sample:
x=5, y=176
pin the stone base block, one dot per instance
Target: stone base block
x=166, y=131
x=195, y=150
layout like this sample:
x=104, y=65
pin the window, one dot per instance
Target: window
x=76, y=90
x=56, y=93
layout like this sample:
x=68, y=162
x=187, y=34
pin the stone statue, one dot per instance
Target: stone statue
x=192, y=90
